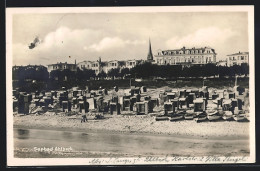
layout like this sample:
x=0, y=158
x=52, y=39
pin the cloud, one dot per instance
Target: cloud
x=135, y=42
x=210, y=36
x=107, y=43
x=113, y=43
x=80, y=44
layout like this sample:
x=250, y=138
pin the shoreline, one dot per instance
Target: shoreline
x=133, y=126
x=103, y=131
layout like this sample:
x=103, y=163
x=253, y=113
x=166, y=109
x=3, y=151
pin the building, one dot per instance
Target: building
x=62, y=66
x=91, y=65
x=107, y=66
x=30, y=73
x=99, y=66
x=85, y=65
x=221, y=63
x=132, y=63
x=36, y=67
x=184, y=56
x=238, y=58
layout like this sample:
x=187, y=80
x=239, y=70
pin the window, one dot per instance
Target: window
x=242, y=57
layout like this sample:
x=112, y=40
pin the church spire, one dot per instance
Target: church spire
x=150, y=54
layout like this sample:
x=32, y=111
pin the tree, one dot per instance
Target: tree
x=144, y=70
x=124, y=72
x=244, y=69
x=113, y=73
x=39, y=74
x=102, y=74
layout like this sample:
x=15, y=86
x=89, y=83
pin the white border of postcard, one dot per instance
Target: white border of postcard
x=11, y=161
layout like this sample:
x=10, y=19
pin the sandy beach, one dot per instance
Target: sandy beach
x=136, y=124
x=221, y=137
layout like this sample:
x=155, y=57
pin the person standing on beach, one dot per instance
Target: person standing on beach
x=84, y=118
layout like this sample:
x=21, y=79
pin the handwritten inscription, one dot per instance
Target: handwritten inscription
x=167, y=160
x=143, y=160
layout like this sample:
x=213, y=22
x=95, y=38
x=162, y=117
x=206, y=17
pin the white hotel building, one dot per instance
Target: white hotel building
x=185, y=56
x=237, y=58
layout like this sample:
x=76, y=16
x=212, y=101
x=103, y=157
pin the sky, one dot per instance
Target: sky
x=66, y=37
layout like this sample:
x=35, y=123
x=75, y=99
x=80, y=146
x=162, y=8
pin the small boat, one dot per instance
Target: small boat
x=189, y=115
x=176, y=117
x=228, y=116
x=240, y=118
x=197, y=114
x=161, y=118
x=181, y=112
x=201, y=117
x=213, y=115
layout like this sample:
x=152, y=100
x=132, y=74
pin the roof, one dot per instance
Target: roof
x=190, y=49
x=239, y=53
x=27, y=66
x=184, y=48
x=65, y=63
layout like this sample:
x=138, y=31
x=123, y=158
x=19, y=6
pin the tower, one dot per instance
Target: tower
x=150, y=54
